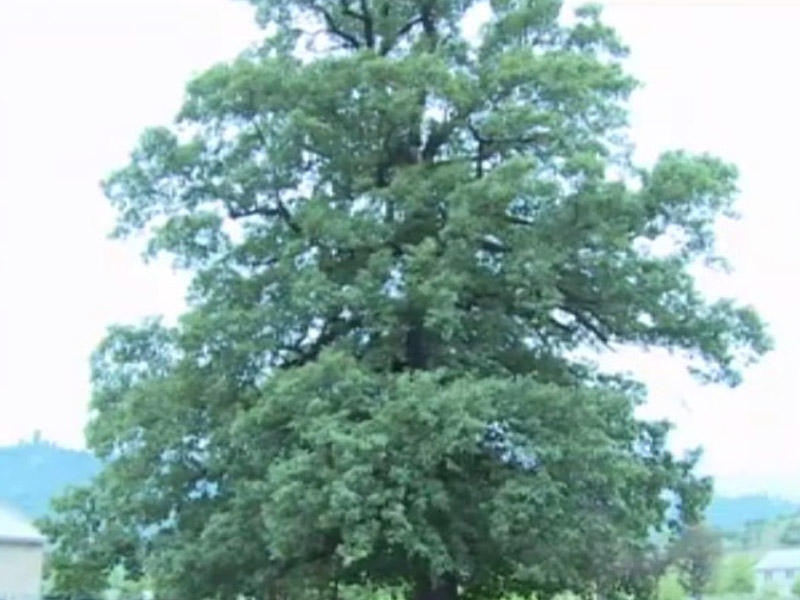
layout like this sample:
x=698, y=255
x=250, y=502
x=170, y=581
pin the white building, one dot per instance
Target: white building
x=21, y=558
x=778, y=570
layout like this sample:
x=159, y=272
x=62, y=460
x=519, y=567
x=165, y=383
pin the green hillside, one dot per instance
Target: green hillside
x=765, y=534
x=728, y=513
x=31, y=473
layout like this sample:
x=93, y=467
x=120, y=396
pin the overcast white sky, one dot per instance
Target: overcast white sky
x=79, y=79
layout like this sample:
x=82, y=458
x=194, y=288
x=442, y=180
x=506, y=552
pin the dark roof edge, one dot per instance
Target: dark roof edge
x=22, y=541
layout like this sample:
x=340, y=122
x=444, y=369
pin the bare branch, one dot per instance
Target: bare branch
x=479, y=159
x=408, y=26
x=533, y=138
x=287, y=216
x=333, y=28
x=240, y=213
x=492, y=244
x=587, y=323
x=518, y=220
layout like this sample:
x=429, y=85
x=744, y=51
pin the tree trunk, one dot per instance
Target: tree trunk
x=417, y=356
x=446, y=589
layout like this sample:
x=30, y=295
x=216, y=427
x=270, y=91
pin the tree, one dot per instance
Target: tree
x=754, y=532
x=405, y=245
x=796, y=587
x=741, y=577
x=790, y=536
x=696, y=554
x=670, y=588
x=736, y=575
x=770, y=591
x=81, y=534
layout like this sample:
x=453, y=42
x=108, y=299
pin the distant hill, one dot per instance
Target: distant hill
x=732, y=513
x=31, y=473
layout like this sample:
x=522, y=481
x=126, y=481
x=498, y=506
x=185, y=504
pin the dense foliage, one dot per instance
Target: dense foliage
x=736, y=575
x=405, y=245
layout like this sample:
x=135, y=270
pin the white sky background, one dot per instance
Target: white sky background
x=80, y=79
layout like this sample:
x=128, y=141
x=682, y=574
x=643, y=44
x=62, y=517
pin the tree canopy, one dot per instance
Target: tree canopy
x=406, y=247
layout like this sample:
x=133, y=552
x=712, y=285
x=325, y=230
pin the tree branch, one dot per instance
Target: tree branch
x=519, y=220
x=331, y=331
x=366, y=18
x=240, y=213
x=427, y=20
x=488, y=141
x=587, y=323
x=408, y=26
x=349, y=12
x=492, y=244
x=280, y=209
x=437, y=139
x=479, y=160
x=287, y=216
x=333, y=28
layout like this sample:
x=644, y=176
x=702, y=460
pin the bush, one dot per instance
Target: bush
x=770, y=592
x=670, y=588
x=796, y=588
x=738, y=575
x=791, y=535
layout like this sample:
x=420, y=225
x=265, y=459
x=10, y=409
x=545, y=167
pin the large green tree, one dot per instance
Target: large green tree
x=406, y=246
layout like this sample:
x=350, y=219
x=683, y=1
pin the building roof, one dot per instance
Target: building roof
x=16, y=529
x=779, y=559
